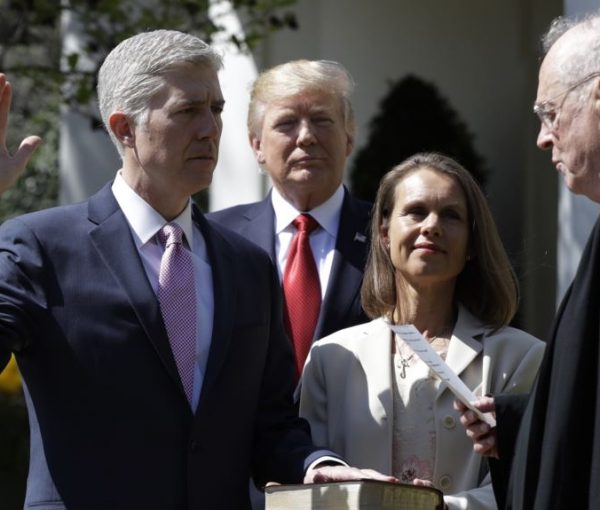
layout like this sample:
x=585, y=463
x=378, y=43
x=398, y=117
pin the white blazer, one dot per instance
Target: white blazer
x=347, y=398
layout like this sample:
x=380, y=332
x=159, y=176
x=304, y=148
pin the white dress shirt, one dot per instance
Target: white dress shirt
x=322, y=240
x=145, y=222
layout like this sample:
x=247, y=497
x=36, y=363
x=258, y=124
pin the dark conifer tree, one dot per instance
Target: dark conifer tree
x=413, y=117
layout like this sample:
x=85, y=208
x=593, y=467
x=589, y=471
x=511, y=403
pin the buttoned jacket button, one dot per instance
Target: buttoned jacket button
x=194, y=446
x=449, y=422
x=445, y=482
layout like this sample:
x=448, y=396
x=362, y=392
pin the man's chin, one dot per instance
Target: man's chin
x=306, y=175
x=573, y=184
x=201, y=181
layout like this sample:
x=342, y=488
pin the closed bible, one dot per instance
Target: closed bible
x=353, y=495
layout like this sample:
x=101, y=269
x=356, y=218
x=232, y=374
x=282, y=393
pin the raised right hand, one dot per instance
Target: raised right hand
x=11, y=167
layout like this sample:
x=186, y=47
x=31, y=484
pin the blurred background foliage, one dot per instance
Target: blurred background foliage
x=412, y=117
x=48, y=76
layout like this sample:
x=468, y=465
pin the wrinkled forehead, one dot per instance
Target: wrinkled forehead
x=190, y=81
x=556, y=70
x=550, y=79
x=311, y=99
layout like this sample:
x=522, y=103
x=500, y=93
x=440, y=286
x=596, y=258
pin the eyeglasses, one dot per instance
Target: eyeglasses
x=548, y=112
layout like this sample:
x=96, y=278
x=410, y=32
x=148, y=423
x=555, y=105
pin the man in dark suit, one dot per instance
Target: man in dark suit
x=137, y=401
x=301, y=128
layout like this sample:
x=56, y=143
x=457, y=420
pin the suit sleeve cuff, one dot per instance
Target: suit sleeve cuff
x=326, y=461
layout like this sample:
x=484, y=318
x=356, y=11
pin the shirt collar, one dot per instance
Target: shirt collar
x=327, y=214
x=143, y=219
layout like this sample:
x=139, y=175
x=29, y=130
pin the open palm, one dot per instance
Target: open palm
x=11, y=167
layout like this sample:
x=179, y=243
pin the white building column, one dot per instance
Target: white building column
x=237, y=179
x=87, y=157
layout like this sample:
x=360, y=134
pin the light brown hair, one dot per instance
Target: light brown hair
x=487, y=286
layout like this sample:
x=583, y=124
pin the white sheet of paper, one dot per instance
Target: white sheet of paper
x=417, y=343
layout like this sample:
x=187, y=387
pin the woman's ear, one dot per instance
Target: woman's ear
x=123, y=128
x=384, y=234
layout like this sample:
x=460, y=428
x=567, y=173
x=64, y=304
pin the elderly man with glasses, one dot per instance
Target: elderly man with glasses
x=552, y=461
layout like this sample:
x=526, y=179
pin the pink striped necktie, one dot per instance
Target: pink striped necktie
x=302, y=290
x=177, y=298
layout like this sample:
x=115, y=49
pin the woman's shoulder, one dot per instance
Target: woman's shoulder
x=488, y=334
x=514, y=335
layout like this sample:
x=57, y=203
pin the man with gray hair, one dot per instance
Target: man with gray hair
x=156, y=370
x=301, y=128
x=553, y=459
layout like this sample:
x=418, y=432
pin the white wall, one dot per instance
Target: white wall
x=483, y=56
x=475, y=51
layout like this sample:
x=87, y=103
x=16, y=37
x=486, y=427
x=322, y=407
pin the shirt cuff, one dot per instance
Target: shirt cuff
x=326, y=460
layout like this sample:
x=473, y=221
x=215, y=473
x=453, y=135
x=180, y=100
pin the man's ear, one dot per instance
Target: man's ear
x=256, y=148
x=596, y=93
x=349, y=144
x=123, y=128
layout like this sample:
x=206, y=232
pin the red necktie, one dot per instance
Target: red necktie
x=302, y=290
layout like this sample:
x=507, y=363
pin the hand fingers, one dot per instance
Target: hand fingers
x=478, y=430
x=5, y=100
x=26, y=149
x=376, y=475
x=485, y=404
x=459, y=406
x=422, y=483
x=486, y=447
x=338, y=473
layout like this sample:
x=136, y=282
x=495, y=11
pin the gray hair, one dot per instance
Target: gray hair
x=293, y=78
x=584, y=59
x=133, y=71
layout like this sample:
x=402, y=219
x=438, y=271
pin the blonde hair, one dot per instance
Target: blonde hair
x=296, y=77
x=487, y=286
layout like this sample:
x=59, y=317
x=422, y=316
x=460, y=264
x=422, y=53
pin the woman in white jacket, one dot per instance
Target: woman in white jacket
x=437, y=262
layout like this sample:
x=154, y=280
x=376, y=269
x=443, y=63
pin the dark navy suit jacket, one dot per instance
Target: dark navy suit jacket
x=341, y=307
x=110, y=425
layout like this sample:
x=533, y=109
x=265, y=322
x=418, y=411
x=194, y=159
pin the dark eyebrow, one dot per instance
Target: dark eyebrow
x=200, y=102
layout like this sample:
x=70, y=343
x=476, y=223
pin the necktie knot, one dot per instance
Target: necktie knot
x=171, y=233
x=305, y=223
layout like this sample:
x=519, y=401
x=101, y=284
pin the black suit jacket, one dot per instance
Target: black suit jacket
x=341, y=307
x=556, y=461
x=110, y=425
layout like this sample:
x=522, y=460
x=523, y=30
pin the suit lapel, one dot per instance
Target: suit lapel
x=347, y=268
x=375, y=355
x=465, y=344
x=224, y=292
x=374, y=351
x=112, y=239
x=260, y=226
